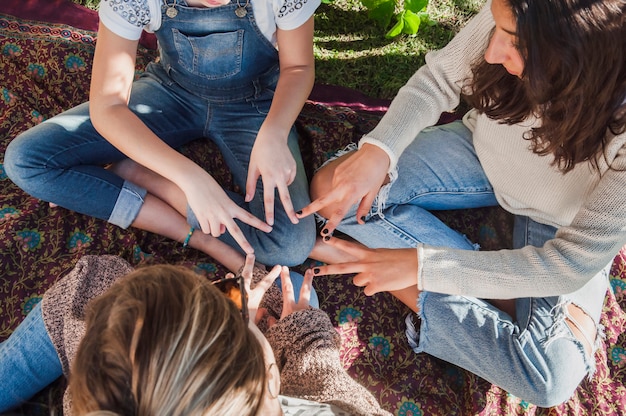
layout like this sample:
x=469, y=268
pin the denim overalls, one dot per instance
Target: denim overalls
x=215, y=78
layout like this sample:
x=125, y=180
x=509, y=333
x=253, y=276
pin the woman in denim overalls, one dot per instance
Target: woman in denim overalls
x=219, y=76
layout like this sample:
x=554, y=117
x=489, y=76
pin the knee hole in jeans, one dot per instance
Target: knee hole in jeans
x=582, y=326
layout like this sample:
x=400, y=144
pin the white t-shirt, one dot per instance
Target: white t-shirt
x=128, y=18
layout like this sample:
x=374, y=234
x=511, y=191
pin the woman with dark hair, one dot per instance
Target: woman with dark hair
x=545, y=139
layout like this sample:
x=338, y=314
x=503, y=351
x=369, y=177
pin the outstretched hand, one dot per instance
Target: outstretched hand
x=354, y=179
x=216, y=212
x=256, y=295
x=272, y=160
x=377, y=270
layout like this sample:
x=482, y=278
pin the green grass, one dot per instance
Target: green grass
x=352, y=51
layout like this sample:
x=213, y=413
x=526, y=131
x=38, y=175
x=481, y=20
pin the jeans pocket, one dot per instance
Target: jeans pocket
x=213, y=56
x=262, y=101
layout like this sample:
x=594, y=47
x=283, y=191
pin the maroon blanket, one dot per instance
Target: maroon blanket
x=46, y=48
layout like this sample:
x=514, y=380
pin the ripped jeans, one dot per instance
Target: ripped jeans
x=534, y=355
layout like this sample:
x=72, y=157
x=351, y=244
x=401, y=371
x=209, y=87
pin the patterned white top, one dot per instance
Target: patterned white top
x=128, y=18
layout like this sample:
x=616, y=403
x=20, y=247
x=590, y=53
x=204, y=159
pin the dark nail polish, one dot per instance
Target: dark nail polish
x=326, y=237
x=363, y=218
x=325, y=231
x=299, y=212
x=316, y=270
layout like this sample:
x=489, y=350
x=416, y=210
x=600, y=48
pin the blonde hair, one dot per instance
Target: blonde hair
x=164, y=340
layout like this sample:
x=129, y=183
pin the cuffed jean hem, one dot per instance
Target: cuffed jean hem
x=128, y=205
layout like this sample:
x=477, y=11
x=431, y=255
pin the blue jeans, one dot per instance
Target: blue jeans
x=28, y=361
x=208, y=83
x=533, y=355
x=61, y=160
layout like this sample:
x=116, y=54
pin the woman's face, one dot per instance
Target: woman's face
x=503, y=43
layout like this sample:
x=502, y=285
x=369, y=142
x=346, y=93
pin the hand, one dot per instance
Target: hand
x=216, y=212
x=289, y=300
x=256, y=295
x=378, y=270
x=355, y=178
x=272, y=160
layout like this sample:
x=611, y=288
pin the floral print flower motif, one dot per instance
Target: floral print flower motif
x=74, y=63
x=29, y=239
x=36, y=117
x=381, y=345
x=11, y=50
x=140, y=256
x=619, y=288
x=7, y=212
x=618, y=355
x=7, y=96
x=348, y=314
x=78, y=240
x=409, y=408
x=205, y=268
x=3, y=174
x=29, y=303
x=36, y=71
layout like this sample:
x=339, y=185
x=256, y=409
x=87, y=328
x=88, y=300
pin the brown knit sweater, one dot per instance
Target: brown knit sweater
x=305, y=343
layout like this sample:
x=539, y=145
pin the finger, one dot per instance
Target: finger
x=313, y=207
x=240, y=238
x=248, y=268
x=333, y=222
x=287, y=286
x=285, y=198
x=339, y=268
x=253, y=178
x=364, y=207
x=251, y=220
x=268, y=201
x=305, y=290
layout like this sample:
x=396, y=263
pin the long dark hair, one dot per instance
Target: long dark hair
x=574, y=77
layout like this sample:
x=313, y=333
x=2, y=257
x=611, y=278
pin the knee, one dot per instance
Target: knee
x=17, y=162
x=287, y=246
x=321, y=185
x=553, y=395
x=555, y=389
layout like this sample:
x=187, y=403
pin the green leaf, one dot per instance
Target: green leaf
x=411, y=22
x=395, y=30
x=415, y=5
x=426, y=20
x=373, y=4
x=383, y=13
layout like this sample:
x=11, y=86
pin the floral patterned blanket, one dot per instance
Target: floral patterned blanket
x=45, y=64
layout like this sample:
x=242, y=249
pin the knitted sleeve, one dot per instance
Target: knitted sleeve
x=563, y=265
x=433, y=89
x=63, y=305
x=306, y=347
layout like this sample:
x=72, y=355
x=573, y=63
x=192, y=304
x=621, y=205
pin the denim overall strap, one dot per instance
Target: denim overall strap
x=215, y=54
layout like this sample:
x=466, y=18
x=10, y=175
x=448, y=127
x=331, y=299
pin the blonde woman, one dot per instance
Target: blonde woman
x=164, y=340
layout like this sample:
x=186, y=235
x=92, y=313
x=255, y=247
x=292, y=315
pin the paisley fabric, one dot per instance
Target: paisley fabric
x=45, y=69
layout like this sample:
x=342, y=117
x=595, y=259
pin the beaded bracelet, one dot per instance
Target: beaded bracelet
x=186, y=242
